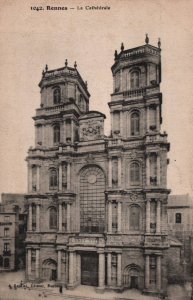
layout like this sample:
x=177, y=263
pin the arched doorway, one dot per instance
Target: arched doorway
x=131, y=277
x=92, y=200
x=49, y=269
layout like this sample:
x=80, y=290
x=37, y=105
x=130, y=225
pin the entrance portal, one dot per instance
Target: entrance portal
x=131, y=277
x=134, y=282
x=89, y=269
x=49, y=269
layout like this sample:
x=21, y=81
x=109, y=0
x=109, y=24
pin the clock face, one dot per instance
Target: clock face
x=92, y=179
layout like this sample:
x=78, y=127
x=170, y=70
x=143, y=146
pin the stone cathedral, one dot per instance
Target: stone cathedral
x=97, y=204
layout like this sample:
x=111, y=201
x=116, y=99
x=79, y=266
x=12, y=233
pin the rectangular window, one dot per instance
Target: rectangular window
x=34, y=178
x=6, y=218
x=178, y=218
x=64, y=176
x=153, y=270
x=153, y=169
x=114, y=268
x=6, y=247
x=33, y=218
x=114, y=217
x=114, y=172
x=152, y=117
x=116, y=121
x=6, y=232
x=153, y=216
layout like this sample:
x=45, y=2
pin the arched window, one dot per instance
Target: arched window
x=53, y=179
x=57, y=95
x=81, y=102
x=53, y=218
x=134, y=80
x=134, y=173
x=56, y=129
x=135, y=123
x=134, y=218
x=92, y=200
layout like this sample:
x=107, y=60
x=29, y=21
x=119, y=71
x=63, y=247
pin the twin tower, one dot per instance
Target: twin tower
x=97, y=204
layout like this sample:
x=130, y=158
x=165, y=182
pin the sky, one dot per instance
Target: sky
x=29, y=39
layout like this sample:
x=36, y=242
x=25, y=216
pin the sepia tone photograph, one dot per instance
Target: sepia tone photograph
x=96, y=177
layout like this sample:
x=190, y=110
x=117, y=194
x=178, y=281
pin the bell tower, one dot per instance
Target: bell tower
x=136, y=119
x=64, y=98
x=137, y=78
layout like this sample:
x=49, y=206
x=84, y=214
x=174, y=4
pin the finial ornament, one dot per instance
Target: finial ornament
x=66, y=62
x=146, y=38
x=86, y=83
x=75, y=65
x=159, y=43
x=116, y=54
x=122, y=46
x=46, y=68
x=43, y=73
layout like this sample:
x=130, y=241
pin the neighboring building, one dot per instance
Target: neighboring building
x=180, y=226
x=7, y=240
x=13, y=221
x=97, y=205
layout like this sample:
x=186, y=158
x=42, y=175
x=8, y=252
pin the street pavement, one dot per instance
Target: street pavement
x=175, y=292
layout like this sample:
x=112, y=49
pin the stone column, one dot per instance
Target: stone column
x=148, y=74
x=30, y=217
x=71, y=268
x=147, y=116
x=37, y=263
x=60, y=217
x=113, y=84
x=68, y=175
x=38, y=178
x=110, y=173
x=72, y=130
x=60, y=177
x=147, y=170
x=110, y=217
x=28, y=262
x=64, y=130
x=112, y=129
x=147, y=215
x=78, y=267
x=157, y=118
x=158, y=169
x=158, y=272
x=29, y=178
x=147, y=271
x=121, y=80
x=59, y=265
x=68, y=217
x=119, y=269
x=101, y=270
x=121, y=123
x=109, y=269
x=37, y=217
x=158, y=216
x=66, y=90
x=119, y=171
x=119, y=216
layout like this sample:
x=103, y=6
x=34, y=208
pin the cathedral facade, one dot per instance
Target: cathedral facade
x=97, y=204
